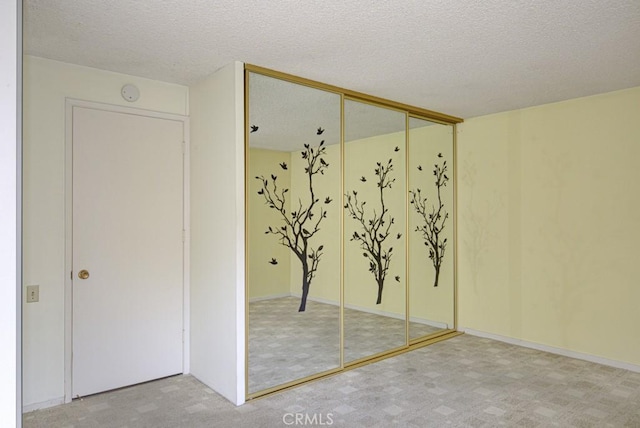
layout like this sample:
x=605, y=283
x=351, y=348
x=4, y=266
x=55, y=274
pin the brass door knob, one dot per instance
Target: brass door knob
x=83, y=274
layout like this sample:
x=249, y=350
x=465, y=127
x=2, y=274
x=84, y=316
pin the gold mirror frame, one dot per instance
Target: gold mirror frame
x=410, y=112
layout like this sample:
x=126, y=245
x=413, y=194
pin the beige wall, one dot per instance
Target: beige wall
x=549, y=215
x=326, y=284
x=46, y=85
x=361, y=156
x=430, y=303
x=427, y=302
x=265, y=279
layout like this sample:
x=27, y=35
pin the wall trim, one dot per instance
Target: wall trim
x=554, y=350
x=42, y=405
x=269, y=297
x=70, y=103
x=437, y=324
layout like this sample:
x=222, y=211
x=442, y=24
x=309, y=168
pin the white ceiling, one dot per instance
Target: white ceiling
x=289, y=115
x=461, y=57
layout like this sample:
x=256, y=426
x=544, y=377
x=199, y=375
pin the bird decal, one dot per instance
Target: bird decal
x=397, y=149
x=254, y=128
x=283, y=165
x=327, y=200
x=439, y=155
x=363, y=179
x=419, y=167
x=273, y=261
x=398, y=278
x=399, y=236
x=320, y=131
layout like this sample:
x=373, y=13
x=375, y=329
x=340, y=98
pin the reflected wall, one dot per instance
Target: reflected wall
x=293, y=229
x=375, y=253
x=431, y=223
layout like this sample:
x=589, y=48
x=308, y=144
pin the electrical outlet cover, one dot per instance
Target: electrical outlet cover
x=33, y=293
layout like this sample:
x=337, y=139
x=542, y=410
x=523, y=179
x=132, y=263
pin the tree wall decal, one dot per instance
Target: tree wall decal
x=300, y=225
x=374, y=229
x=433, y=221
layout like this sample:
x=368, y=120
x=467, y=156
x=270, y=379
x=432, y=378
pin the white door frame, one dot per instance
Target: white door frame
x=70, y=103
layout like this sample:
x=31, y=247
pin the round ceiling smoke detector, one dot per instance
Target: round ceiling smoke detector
x=130, y=93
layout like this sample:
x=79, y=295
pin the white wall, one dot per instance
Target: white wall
x=46, y=85
x=9, y=156
x=217, y=232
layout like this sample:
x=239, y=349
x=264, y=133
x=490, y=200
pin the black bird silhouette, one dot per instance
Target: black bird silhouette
x=323, y=163
x=273, y=261
x=328, y=200
x=439, y=155
x=399, y=236
x=320, y=131
x=283, y=165
x=397, y=278
x=397, y=149
x=254, y=128
x=363, y=179
x=419, y=167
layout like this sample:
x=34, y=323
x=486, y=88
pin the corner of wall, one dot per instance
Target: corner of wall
x=217, y=253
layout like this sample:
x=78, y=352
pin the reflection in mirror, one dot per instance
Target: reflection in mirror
x=374, y=227
x=293, y=231
x=431, y=290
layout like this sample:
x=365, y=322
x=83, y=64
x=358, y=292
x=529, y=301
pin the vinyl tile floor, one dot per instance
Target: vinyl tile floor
x=285, y=344
x=465, y=381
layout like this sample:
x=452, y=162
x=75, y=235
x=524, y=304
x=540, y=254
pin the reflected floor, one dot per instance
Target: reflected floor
x=366, y=334
x=286, y=345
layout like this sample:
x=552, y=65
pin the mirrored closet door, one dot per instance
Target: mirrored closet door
x=375, y=305
x=350, y=251
x=293, y=231
x=431, y=244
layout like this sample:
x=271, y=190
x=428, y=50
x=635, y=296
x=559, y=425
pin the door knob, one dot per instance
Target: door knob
x=83, y=274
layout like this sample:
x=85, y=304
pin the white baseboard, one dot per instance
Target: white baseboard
x=418, y=320
x=318, y=299
x=554, y=350
x=354, y=307
x=269, y=297
x=42, y=405
x=436, y=324
x=375, y=311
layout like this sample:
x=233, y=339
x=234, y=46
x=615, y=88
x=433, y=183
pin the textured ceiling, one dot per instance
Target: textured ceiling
x=288, y=115
x=464, y=57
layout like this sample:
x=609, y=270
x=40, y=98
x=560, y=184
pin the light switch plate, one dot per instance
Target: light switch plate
x=33, y=293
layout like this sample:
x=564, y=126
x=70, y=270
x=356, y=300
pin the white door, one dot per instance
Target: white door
x=128, y=236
